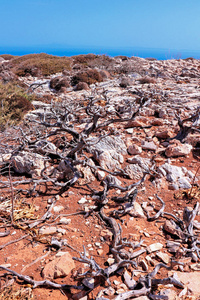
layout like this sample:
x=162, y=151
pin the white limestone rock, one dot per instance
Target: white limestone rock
x=178, y=150
x=28, y=163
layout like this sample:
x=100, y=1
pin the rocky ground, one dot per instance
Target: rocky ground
x=100, y=187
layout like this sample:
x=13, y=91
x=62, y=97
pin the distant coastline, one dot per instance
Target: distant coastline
x=160, y=54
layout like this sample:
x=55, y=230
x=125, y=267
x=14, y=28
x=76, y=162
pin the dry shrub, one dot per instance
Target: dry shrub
x=93, y=61
x=105, y=74
x=40, y=64
x=59, y=82
x=7, y=56
x=14, y=103
x=18, y=106
x=189, y=59
x=82, y=86
x=151, y=59
x=146, y=79
x=89, y=76
x=122, y=57
x=125, y=81
x=132, y=65
x=7, y=75
x=83, y=58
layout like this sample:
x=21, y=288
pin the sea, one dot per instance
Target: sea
x=159, y=54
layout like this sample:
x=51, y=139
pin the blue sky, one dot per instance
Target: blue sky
x=102, y=24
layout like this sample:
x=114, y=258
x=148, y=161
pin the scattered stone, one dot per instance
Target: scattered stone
x=28, y=163
x=101, y=175
x=85, y=297
x=146, y=234
x=88, y=282
x=184, y=183
x=150, y=260
x=82, y=201
x=144, y=265
x=142, y=298
x=65, y=221
x=134, y=171
x=100, y=252
x=144, y=163
x=109, y=291
x=87, y=176
x=60, y=253
x=6, y=265
x=58, y=208
x=134, y=149
x=176, y=175
x=178, y=150
x=116, y=282
x=195, y=267
x=173, y=186
x=164, y=134
x=129, y=281
x=106, y=234
x=110, y=261
x=171, y=227
x=137, y=211
x=137, y=167
x=129, y=130
x=4, y=158
x=191, y=280
x=171, y=294
x=61, y=230
x=164, y=257
x=47, y=230
x=58, y=267
x=154, y=247
x=149, y=146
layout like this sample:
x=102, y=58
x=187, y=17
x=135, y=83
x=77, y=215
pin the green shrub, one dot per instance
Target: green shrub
x=40, y=64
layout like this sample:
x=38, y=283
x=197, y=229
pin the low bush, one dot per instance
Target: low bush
x=93, y=61
x=105, y=74
x=146, y=79
x=125, y=81
x=83, y=58
x=59, y=82
x=7, y=76
x=7, y=56
x=14, y=103
x=82, y=86
x=39, y=64
x=89, y=76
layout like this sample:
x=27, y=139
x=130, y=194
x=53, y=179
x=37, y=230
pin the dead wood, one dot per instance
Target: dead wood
x=159, y=213
x=44, y=283
x=14, y=241
x=2, y=234
x=184, y=129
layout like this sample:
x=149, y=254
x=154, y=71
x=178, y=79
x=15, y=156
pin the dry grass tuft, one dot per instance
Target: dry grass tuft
x=14, y=293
